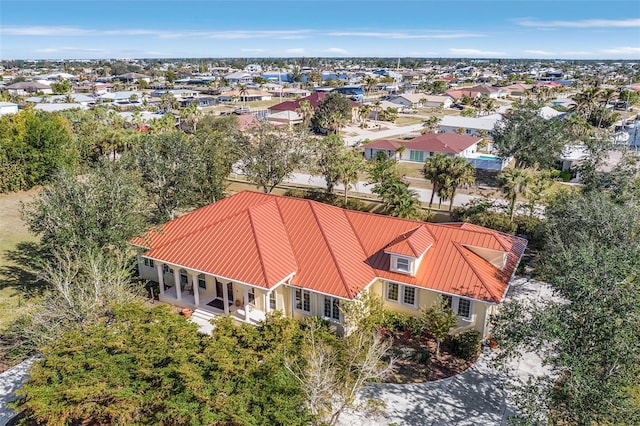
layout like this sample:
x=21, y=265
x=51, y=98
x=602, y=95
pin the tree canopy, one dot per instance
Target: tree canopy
x=530, y=139
x=334, y=111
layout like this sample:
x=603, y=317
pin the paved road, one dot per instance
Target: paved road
x=10, y=381
x=362, y=187
x=475, y=397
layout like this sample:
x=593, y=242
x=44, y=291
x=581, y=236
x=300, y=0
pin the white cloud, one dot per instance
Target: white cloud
x=405, y=35
x=475, y=52
x=295, y=51
x=336, y=50
x=239, y=34
x=43, y=31
x=252, y=50
x=539, y=52
x=586, y=23
x=623, y=51
x=76, y=50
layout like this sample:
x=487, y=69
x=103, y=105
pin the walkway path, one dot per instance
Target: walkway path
x=475, y=397
x=10, y=381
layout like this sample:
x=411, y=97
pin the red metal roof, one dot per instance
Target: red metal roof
x=449, y=143
x=314, y=100
x=261, y=239
x=388, y=144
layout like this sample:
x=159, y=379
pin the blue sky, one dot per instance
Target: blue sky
x=420, y=28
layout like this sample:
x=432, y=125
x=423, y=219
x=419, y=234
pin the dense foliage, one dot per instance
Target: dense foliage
x=144, y=365
x=589, y=336
x=34, y=145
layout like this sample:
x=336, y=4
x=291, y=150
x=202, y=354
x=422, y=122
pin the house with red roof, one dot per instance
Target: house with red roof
x=253, y=253
x=424, y=146
x=314, y=100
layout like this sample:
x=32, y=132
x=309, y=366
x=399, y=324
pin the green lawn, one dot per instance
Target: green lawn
x=17, y=277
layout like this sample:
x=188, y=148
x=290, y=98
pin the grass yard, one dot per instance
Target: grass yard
x=16, y=244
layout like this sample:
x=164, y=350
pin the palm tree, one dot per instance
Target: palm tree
x=365, y=111
x=433, y=171
x=446, y=175
x=369, y=83
x=306, y=112
x=460, y=173
x=513, y=182
x=350, y=168
x=431, y=125
x=242, y=91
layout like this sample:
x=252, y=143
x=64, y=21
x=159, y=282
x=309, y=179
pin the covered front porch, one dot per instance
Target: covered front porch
x=244, y=313
x=211, y=295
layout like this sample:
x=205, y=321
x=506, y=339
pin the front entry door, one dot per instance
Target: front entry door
x=220, y=293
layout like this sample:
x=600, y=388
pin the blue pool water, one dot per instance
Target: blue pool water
x=488, y=157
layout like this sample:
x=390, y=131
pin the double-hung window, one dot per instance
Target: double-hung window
x=459, y=305
x=272, y=301
x=202, y=283
x=332, y=308
x=148, y=262
x=303, y=300
x=403, y=294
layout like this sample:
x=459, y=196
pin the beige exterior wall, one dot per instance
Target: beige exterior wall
x=426, y=298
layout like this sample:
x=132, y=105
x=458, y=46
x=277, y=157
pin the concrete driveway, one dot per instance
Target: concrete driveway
x=10, y=381
x=474, y=397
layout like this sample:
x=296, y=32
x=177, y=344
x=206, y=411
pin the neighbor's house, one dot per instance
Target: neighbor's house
x=8, y=108
x=314, y=100
x=473, y=126
x=420, y=100
x=254, y=253
x=249, y=95
x=25, y=88
x=424, y=146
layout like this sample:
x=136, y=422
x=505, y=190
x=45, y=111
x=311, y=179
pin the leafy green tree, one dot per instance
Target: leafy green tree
x=528, y=138
x=61, y=87
x=334, y=111
x=630, y=96
x=215, y=144
x=588, y=337
x=328, y=154
x=438, y=87
x=438, y=320
x=123, y=370
x=34, y=146
x=102, y=210
x=271, y=154
x=446, y=174
x=167, y=164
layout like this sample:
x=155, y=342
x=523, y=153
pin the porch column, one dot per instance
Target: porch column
x=265, y=302
x=160, y=269
x=245, y=301
x=176, y=280
x=225, y=298
x=196, y=293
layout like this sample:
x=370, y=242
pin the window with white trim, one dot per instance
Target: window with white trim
x=399, y=293
x=166, y=269
x=409, y=296
x=252, y=296
x=392, y=291
x=332, y=308
x=202, y=283
x=303, y=300
x=272, y=301
x=459, y=305
x=148, y=262
x=403, y=264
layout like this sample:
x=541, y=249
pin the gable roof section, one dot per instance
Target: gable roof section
x=250, y=246
x=388, y=144
x=262, y=239
x=314, y=100
x=413, y=243
x=448, y=143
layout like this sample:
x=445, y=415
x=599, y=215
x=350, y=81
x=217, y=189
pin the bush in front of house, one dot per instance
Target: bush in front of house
x=466, y=345
x=396, y=322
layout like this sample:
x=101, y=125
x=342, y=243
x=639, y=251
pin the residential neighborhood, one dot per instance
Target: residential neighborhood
x=225, y=213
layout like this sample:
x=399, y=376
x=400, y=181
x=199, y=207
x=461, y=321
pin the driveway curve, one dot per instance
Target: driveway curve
x=477, y=396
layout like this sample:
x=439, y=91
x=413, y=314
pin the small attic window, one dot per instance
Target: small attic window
x=404, y=265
